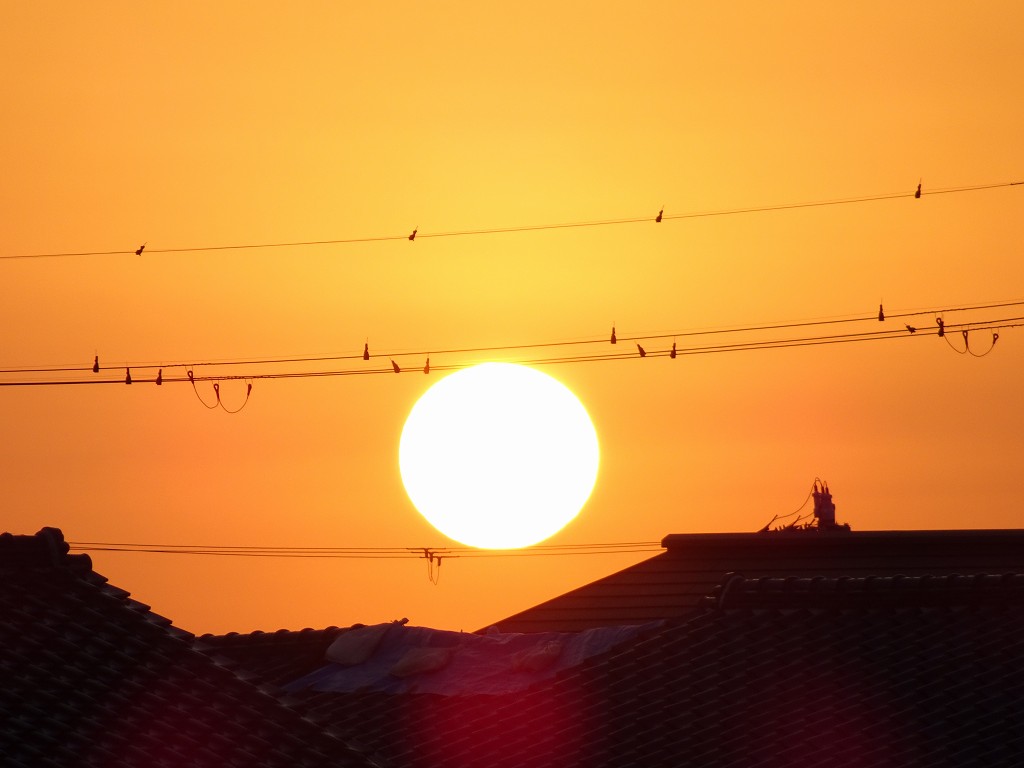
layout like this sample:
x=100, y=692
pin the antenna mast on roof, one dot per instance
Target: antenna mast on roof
x=824, y=513
x=824, y=509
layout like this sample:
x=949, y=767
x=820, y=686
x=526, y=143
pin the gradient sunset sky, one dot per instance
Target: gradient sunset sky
x=199, y=125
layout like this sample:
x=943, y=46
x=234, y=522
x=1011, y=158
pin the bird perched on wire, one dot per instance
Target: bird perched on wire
x=912, y=329
x=394, y=365
x=140, y=249
x=641, y=350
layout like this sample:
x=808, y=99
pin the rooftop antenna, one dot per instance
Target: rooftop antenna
x=824, y=509
x=824, y=513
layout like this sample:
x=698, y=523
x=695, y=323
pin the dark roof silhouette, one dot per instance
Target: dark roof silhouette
x=829, y=672
x=93, y=678
x=273, y=657
x=805, y=666
x=671, y=584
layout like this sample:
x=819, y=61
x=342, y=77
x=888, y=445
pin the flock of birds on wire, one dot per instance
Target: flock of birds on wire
x=641, y=350
x=942, y=330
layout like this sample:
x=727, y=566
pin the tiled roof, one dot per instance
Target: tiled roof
x=829, y=672
x=90, y=678
x=670, y=585
x=275, y=657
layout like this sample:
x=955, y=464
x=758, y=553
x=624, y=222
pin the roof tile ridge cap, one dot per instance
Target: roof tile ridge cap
x=111, y=592
x=158, y=620
x=56, y=547
x=716, y=599
x=45, y=548
x=215, y=639
x=207, y=644
x=733, y=581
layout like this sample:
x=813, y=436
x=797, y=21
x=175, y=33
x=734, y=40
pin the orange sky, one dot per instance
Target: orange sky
x=196, y=125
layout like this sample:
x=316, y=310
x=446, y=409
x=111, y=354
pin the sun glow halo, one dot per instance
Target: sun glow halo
x=498, y=456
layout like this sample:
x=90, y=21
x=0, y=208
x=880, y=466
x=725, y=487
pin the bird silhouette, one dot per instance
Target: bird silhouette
x=366, y=351
x=426, y=368
x=127, y=375
x=641, y=350
x=912, y=329
x=658, y=217
x=96, y=364
x=614, y=340
x=881, y=314
x=160, y=377
x=942, y=326
x=672, y=354
x=140, y=249
x=413, y=235
x=917, y=195
x=394, y=365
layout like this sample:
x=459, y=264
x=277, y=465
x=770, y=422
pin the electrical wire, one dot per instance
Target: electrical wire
x=508, y=348
x=529, y=227
x=769, y=344
x=368, y=553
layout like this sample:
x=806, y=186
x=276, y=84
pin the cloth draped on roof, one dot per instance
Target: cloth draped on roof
x=397, y=659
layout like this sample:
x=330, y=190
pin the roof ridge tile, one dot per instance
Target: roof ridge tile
x=872, y=591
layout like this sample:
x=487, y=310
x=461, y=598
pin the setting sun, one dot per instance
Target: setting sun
x=498, y=456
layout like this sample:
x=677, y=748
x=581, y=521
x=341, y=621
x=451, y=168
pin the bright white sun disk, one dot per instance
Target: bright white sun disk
x=498, y=456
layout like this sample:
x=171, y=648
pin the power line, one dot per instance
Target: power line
x=509, y=348
x=369, y=553
x=416, y=235
x=770, y=344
